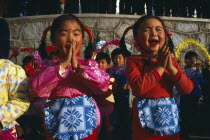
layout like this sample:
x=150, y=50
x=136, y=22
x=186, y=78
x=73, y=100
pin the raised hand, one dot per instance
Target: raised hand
x=67, y=60
x=163, y=55
x=74, y=61
x=170, y=67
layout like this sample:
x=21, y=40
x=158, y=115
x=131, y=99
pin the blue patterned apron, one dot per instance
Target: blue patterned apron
x=159, y=116
x=71, y=118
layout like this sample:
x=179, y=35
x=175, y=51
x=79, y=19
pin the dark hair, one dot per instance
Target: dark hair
x=142, y=19
x=57, y=23
x=173, y=53
x=88, y=52
x=116, y=52
x=42, y=50
x=27, y=59
x=191, y=54
x=123, y=46
x=103, y=55
x=135, y=33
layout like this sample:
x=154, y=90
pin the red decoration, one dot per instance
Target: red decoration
x=168, y=34
x=127, y=29
x=63, y=1
x=51, y=48
x=15, y=52
x=44, y=34
x=89, y=33
x=9, y=135
x=29, y=68
x=78, y=54
x=26, y=50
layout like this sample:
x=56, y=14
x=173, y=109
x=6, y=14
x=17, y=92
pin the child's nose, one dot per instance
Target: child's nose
x=100, y=65
x=70, y=38
x=153, y=33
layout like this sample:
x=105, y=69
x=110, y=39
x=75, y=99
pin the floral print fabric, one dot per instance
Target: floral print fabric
x=14, y=93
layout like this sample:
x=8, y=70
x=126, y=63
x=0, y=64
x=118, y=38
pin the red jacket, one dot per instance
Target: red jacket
x=149, y=84
x=146, y=82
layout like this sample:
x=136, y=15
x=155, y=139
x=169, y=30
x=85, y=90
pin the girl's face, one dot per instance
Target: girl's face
x=151, y=35
x=69, y=31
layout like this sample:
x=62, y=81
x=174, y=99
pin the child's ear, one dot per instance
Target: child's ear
x=108, y=65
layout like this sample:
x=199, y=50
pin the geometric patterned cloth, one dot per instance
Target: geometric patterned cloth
x=159, y=116
x=71, y=118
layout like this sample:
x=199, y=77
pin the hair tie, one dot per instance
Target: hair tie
x=89, y=33
x=168, y=34
x=122, y=42
x=15, y=52
x=44, y=34
x=127, y=29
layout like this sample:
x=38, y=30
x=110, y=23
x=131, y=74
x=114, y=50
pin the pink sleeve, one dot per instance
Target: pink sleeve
x=43, y=82
x=95, y=79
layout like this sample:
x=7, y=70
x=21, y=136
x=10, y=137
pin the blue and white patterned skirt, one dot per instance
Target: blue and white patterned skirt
x=159, y=116
x=71, y=118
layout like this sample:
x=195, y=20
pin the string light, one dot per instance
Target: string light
x=187, y=42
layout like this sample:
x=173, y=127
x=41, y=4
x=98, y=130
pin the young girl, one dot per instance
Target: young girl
x=152, y=76
x=68, y=82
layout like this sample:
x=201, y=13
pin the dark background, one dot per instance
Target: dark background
x=179, y=8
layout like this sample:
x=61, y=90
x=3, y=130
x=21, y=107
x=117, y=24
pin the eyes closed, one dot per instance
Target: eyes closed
x=158, y=29
x=66, y=33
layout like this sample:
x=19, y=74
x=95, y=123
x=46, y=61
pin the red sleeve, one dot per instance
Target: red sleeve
x=140, y=83
x=183, y=84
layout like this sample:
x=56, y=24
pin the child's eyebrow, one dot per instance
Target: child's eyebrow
x=153, y=27
x=60, y=30
x=147, y=27
x=77, y=30
x=159, y=27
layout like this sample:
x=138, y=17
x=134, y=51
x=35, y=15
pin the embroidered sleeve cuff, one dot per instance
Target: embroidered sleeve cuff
x=63, y=72
x=177, y=76
x=157, y=75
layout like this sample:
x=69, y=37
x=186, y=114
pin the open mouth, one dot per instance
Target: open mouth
x=153, y=42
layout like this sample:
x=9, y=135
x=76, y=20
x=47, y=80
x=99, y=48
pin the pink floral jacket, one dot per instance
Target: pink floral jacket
x=48, y=82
